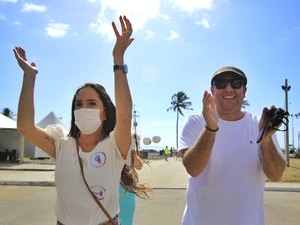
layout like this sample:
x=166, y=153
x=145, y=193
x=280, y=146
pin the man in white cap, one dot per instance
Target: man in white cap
x=227, y=166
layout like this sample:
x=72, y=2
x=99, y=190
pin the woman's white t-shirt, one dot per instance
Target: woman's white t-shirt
x=102, y=169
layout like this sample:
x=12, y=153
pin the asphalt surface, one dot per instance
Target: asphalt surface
x=27, y=195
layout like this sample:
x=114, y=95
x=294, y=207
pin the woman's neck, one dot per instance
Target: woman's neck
x=88, y=142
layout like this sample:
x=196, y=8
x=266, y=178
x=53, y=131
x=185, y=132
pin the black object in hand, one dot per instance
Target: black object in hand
x=273, y=119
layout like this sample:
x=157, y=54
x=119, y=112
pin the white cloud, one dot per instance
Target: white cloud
x=57, y=30
x=165, y=17
x=192, y=6
x=143, y=11
x=173, y=35
x=149, y=34
x=204, y=23
x=103, y=27
x=30, y=7
x=10, y=1
x=136, y=10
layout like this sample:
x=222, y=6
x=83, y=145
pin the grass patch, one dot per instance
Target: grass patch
x=292, y=173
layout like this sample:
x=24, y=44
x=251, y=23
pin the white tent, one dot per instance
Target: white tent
x=50, y=119
x=10, y=138
x=7, y=123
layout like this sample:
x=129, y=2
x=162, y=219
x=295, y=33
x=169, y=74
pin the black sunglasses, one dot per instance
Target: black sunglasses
x=234, y=83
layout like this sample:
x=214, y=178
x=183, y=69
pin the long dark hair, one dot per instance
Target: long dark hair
x=129, y=176
x=108, y=124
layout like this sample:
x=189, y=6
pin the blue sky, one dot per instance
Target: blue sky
x=178, y=45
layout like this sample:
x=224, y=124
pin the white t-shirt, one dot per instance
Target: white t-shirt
x=230, y=190
x=102, y=168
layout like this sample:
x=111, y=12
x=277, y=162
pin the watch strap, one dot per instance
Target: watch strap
x=121, y=67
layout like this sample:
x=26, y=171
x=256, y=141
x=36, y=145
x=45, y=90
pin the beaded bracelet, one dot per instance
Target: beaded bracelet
x=211, y=129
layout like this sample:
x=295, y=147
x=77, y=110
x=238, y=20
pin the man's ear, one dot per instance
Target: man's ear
x=245, y=90
x=212, y=90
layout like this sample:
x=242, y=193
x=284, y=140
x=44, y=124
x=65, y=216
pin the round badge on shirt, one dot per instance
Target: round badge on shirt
x=98, y=191
x=98, y=159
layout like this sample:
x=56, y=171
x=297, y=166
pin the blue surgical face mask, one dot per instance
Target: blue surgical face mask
x=87, y=120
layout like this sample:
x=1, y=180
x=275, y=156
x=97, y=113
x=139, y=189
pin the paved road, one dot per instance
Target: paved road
x=34, y=205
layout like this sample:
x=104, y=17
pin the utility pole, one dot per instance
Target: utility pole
x=286, y=88
x=134, y=119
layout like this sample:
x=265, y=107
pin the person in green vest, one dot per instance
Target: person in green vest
x=166, y=153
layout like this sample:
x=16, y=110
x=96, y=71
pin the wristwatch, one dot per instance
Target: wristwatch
x=124, y=68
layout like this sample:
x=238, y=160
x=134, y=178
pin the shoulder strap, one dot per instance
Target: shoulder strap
x=94, y=197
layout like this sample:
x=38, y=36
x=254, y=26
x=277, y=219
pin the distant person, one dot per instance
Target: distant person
x=171, y=151
x=166, y=153
x=89, y=161
x=177, y=156
x=227, y=167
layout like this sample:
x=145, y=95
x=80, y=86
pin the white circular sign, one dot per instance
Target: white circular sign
x=147, y=141
x=156, y=139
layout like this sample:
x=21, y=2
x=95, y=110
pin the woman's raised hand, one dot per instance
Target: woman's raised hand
x=124, y=39
x=29, y=69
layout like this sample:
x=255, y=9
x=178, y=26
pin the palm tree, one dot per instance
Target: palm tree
x=178, y=103
x=9, y=113
x=245, y=103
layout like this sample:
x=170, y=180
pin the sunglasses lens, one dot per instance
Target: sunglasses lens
x=234, y=83
x=221, y=83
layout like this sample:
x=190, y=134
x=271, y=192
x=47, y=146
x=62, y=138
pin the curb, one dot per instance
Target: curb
x=24, y=169
x=283, y=189
x=28, y=183
x=52, y=184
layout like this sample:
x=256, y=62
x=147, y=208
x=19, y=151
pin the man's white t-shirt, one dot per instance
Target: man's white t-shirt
x=230, y=190
x=102, y=168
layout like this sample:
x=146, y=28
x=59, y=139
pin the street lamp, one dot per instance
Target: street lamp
x=292, y=115
x=286, y=88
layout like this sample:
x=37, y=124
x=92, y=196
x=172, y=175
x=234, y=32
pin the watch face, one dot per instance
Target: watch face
x=125, y=69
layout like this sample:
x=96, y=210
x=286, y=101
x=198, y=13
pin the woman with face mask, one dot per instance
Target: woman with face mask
x=89, y=160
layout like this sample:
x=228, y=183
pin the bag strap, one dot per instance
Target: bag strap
x=94, y=197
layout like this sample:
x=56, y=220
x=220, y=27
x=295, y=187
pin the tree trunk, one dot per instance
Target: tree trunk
x=177, y=131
